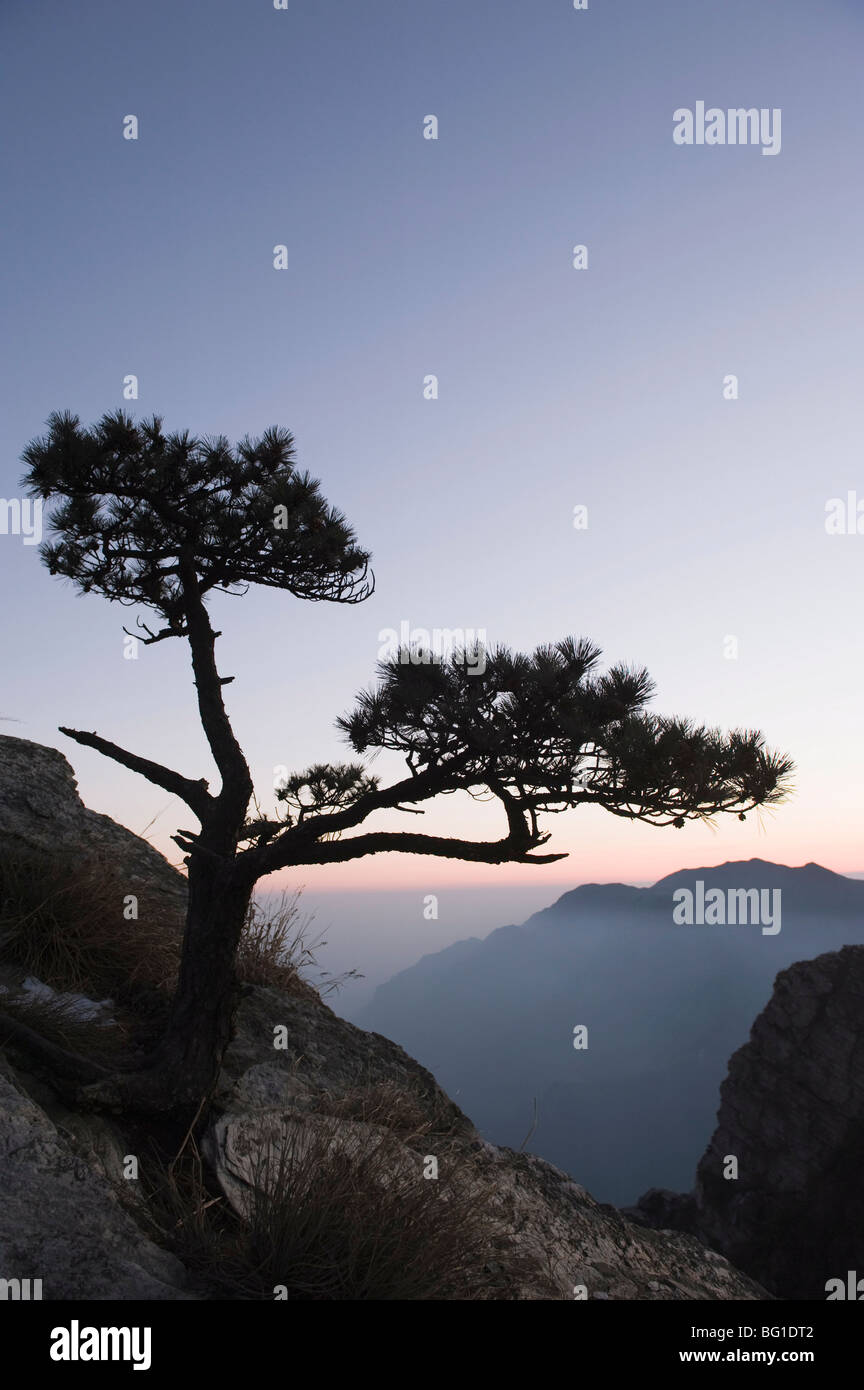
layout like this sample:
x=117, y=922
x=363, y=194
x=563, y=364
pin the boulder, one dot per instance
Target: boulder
x=61, y=1221
x=42, y=814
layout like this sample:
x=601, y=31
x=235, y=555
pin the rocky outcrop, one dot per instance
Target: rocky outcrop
x=565, y=1245
x=41, y=813
x=331, y=1071
x=297, y=1071
x=293, y=1051
x=61, y=1221
x=65, y=1219
x=792, y=1119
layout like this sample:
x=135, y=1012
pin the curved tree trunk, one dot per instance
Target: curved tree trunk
x=187, y=1061
x=183, y=1070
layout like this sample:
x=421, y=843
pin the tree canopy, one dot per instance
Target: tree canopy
x=136, y=503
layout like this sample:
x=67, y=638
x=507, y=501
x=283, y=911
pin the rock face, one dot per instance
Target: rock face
x=294, y=1068
x=60, y=1220
x=792, y=1114
x=42, y=813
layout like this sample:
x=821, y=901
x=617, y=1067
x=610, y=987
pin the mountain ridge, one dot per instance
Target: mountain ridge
x=665, y=1005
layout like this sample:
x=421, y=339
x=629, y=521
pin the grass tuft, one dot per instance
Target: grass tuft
x=333, y=1216
x=62, y=920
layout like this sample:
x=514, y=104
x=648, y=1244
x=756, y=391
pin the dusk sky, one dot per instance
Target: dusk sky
x=558, y=387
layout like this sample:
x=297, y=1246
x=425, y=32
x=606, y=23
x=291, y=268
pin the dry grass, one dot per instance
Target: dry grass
x=391, y=1105
x=329, y=1222
x=57, y=1021
x=326, y=1223
x=183, y=1213
x=62, y=920
x=276, y=950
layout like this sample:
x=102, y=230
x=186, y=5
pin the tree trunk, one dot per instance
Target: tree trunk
x=183, y=1070
x=202, y=1013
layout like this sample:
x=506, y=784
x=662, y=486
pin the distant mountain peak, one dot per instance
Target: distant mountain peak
x=746, y=869
x=807, y=882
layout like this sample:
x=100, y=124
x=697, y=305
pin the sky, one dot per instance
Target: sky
x=705, y=556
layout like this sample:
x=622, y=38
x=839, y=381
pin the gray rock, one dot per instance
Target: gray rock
x=243, y=1148
x=41, y=813
x=325, y=1058
x=62, y=1223
x=792, y=1114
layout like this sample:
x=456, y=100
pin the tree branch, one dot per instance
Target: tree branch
x=505, y=851
x=176, y=631
x=195, y=794
x=280, y=852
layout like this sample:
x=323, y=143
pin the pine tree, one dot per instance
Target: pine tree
x=159, y=521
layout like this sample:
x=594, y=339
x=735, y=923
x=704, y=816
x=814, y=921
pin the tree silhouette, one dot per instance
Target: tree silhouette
x=159, y=521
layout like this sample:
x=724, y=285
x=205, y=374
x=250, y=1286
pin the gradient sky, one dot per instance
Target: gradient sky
x=557, y=387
